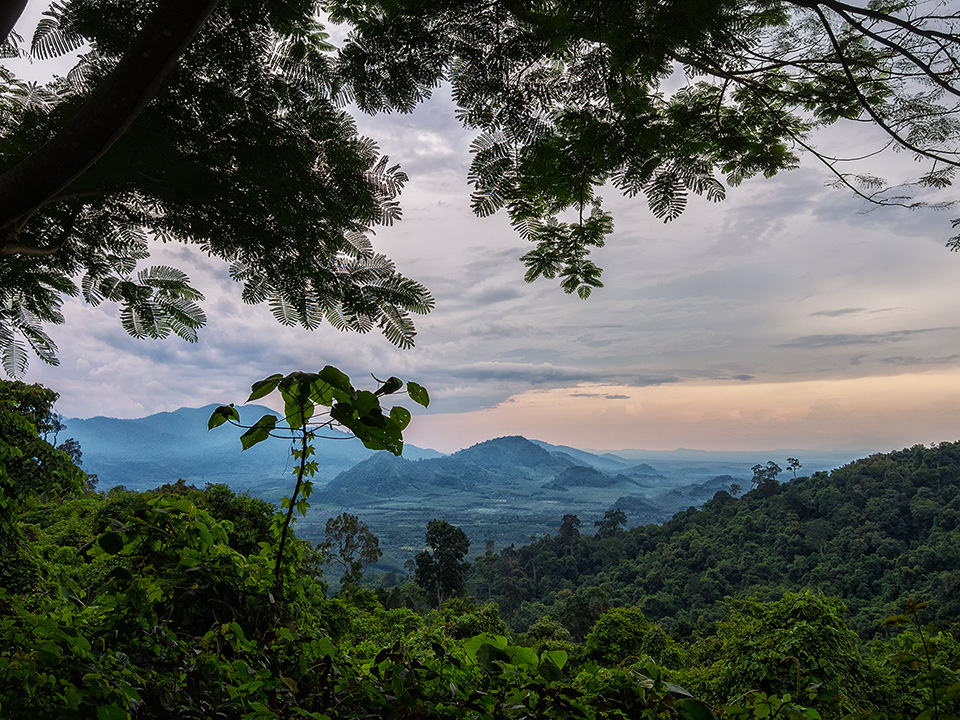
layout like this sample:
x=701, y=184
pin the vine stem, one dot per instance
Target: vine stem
x=277, y=584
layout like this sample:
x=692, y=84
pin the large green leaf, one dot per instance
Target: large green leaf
x=111, y=542
x=264, y=387
x=401, y=416
x=297, y=406
x=259, y=432
x=549, y=670
x=692, y=709
x=418, y=394
x=340, y=383
x=221, y=415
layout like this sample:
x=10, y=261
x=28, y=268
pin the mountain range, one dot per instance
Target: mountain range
x=147, y=452
x=504, y=490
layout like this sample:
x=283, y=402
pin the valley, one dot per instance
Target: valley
x=508, y=490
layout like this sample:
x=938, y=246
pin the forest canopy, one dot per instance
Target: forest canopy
x=234, y=137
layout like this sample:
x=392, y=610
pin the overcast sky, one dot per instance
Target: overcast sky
x=783, y=317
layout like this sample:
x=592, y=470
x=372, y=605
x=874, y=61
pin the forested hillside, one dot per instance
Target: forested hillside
x=872, y=532
x=181, y=603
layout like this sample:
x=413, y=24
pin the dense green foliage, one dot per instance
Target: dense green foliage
x=219, y=124
x=30, y=468
x=243, y=151
x=163, y=605
x=871, y=533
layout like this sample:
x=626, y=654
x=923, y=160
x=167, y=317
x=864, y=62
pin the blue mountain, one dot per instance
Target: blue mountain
x=143, y=453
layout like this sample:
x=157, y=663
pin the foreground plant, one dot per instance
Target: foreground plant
x=358, y=411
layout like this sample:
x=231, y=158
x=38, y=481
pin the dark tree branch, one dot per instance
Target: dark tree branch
x=910, y=26
x=865, y=103
x=10, y=12
x=108, y=113
x=902, y=50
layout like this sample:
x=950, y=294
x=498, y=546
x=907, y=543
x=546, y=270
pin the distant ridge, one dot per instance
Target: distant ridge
x=143, y=453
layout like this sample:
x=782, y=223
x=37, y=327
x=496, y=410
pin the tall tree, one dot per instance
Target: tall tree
x=660, y=99
x=219, y=125
x=349, y=543
x=29, y=467
x=440, y=567
x=214, y=125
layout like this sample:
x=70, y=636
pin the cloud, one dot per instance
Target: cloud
x=838, y=313
x=605, y=396
x=913, y=361
x=735, y=293
x=847, y=339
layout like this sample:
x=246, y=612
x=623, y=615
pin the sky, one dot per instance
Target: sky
x=790, y=315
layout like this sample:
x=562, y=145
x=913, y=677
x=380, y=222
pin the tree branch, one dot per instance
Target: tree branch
x=108, y=113
x=10, y=12
x=867, y=106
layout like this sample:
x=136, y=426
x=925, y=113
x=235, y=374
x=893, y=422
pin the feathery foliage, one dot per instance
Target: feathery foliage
x=244, y=152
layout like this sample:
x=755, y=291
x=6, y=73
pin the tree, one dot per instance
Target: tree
x=568, y=96
x=799, y=645
x=228, y=135
x=440, y=567
x=350, y=544
x=765, y=477
x=793, y=464
x=612, y=521
x=29, y=467
x=29, y=426
x=569, y=527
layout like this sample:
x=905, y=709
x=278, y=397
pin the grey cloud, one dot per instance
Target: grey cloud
x=838, y=313
x=906, y=361
x=651, y=380
x=502, y=329
x=814, y=342
x=540, y=374
x=850, y=311
x=605, y=396
x=532, y=355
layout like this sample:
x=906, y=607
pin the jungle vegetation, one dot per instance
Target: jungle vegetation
x=165, y=604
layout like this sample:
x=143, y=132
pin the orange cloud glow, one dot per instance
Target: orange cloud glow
x=875, y=412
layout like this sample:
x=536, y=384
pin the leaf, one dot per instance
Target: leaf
x=693, y=709
x=548, y=670
x=259, y=432
x=471, y=646
x=520, y=655
x=401, y=416
x=390, y=386
x=264, y=387
x=111, y=712
x=487, y=655
x=111, y=543
x=557, y=657
x=337, y=380
x=418, y=394
x=297, y=406
x=221, y=415
x=895, y=620
x=342, y=412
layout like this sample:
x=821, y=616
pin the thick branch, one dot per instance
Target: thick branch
x=110, y=110
x=924, y=67
x=10, y=12
x=867, y=106
x=907, y=25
